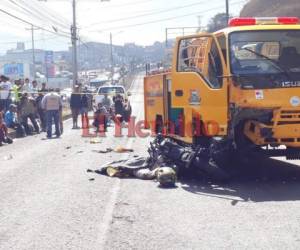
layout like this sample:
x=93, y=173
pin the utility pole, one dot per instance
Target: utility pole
x=74, y=45
x=227, y=11
x=33, y=53
x=111, y=58
x=32, y=29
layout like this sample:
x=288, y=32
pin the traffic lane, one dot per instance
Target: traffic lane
x=242, y=213
x=247, y=213
x=47, y=200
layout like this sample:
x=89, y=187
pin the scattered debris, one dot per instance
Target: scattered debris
x=91, y=179
x=122, y=203
x=95, y=141
x=69, y=147
x=125, y=218
x=8, y=157
x=79, y=152
x=108, y=150
x=118, y=149
x=234, y=202
x=121, y=149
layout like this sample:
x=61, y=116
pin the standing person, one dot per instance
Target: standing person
x=34, y=89
x=41, y=112
x=52, y=104
x=27, y=87
x=3, y=132
x=119, y=107
x=84, y=110
x=28, y=109
x=16, y=91
x=106, y=101
x=5, y=95
x=44, y=88
x=75, y=104
x=61, y=124
x=127, y=110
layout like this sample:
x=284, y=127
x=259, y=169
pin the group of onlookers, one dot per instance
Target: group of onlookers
x=117, y=109
x=22, y=102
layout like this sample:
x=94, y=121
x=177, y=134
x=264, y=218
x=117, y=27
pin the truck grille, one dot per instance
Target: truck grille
x=286, y=117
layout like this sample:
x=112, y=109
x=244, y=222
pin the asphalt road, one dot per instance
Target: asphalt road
x=49, y=201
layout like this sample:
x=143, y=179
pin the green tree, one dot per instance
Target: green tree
x=218, y=22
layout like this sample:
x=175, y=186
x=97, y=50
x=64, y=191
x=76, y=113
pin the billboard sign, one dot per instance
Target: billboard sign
x=15, y=69
x=49, y=61
x=49, y=57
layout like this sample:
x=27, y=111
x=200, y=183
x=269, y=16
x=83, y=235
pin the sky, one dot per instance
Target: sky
x=130, y=21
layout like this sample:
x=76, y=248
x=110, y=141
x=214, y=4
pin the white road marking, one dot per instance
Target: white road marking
x=116, y=186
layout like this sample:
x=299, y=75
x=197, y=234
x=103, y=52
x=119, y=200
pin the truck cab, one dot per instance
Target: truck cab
x=241, y=83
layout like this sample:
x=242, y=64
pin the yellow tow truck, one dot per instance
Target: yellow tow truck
x=237, y=89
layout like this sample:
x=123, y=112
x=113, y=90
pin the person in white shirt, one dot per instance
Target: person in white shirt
x=52, y=104
x=5, y=95
x=34, y=89
x=27, y=87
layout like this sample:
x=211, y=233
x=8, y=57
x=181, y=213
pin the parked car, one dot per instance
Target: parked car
x=111, y=91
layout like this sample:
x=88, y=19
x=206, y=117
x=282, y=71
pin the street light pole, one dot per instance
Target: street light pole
x=74, y=45
x=32, y=29
x=33, y=53
x=111, y=58
x=112, y=69
x=227, y=11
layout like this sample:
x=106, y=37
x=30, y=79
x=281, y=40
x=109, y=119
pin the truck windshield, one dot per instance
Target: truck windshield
x=111, y=90
x=266, y=53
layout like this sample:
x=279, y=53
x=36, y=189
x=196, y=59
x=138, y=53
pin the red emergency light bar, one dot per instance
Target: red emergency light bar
x=243, y=21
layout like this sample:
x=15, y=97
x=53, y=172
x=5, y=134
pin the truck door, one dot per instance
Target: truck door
x=198, y=85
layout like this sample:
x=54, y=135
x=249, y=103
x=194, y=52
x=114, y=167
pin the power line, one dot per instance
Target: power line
x=49, y=14
x=150, y=14
x=29, y=23
x=46, y=16
x=123, y=5
x=166, y=19
x=38, y=15
x=52, y=14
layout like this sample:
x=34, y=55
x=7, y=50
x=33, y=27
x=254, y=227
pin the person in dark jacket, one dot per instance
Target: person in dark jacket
x=84, y=110
x=40, y=111
x=119, y=107
x=127, y=110
x=75, y=104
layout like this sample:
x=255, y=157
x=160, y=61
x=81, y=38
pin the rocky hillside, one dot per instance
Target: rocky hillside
x=269, y=8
